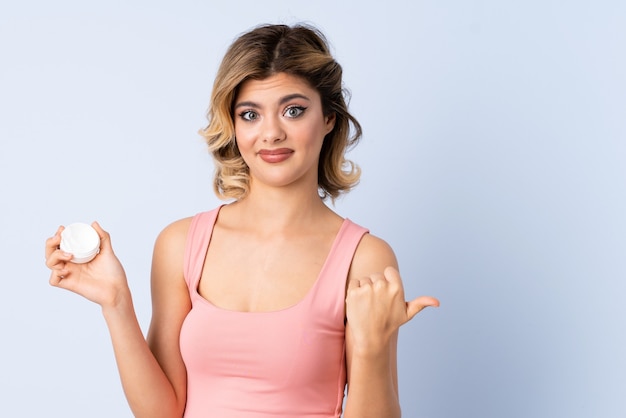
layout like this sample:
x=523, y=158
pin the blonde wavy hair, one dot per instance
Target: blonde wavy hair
x=298, y=50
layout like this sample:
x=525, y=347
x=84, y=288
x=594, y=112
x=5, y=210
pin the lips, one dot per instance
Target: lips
x=275, y=155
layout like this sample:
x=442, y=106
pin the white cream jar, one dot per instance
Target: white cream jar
x=82, y=241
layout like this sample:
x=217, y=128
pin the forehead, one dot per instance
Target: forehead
x=277, y=85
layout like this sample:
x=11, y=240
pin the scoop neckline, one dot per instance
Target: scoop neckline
x=294, y=306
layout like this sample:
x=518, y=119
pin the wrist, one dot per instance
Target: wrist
x=119, y=304
x=368, y=346
x=369, y=350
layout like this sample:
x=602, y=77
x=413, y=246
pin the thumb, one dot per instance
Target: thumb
x=416, y=305
x=105, y=238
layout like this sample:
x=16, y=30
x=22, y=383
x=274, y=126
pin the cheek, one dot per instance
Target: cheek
x=242, y=140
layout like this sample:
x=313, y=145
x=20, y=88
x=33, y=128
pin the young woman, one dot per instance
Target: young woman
x=267, y=306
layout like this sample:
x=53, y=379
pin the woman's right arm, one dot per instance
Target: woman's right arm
x=152, y=372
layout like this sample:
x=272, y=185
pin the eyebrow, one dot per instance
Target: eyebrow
x=282, y=101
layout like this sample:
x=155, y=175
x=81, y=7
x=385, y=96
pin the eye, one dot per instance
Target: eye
x=249, y=115
x=294, y=111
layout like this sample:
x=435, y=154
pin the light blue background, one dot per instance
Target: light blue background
x=493, y=162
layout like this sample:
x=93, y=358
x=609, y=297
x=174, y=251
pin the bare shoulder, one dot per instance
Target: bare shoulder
x=170, y=298
x=174, y=234
x=372, y=255
x=169, y=251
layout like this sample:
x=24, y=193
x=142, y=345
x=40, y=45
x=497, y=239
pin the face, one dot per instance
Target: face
x=280, y=128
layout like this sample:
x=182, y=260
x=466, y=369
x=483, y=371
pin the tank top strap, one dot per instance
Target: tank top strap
x=198, y=239
x=329, y=292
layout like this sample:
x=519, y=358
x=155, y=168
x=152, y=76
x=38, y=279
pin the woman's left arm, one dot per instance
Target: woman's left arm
x=375, y=310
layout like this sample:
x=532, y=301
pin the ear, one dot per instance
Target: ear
x=329, y=121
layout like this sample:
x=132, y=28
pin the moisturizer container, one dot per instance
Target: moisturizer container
x=82, y=241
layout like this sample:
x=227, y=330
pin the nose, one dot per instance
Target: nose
x=273, y=130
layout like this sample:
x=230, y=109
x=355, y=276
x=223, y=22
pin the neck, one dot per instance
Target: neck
x=280, y=208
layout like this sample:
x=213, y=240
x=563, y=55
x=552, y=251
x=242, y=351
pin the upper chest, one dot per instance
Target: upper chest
x=244, y=272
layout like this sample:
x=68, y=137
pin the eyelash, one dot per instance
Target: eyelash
x=301, y=110
x=245, y=115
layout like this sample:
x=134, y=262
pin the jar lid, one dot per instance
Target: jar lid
x=81, y=240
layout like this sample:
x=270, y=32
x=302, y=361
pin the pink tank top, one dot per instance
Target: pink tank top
x=286, y=363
